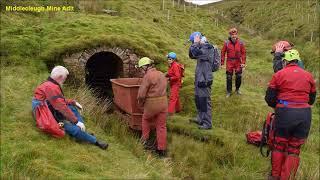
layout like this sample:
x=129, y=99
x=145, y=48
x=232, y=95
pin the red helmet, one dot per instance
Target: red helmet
x=287, y=46
x=233, y=31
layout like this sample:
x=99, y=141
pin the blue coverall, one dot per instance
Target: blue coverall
x=203, y=82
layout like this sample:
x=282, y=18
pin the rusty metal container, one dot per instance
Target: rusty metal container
x=135, y=121
x=125, y=91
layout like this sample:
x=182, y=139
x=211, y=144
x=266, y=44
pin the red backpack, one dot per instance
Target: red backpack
x=268, y=134
x=46, y=121
x=264, y=137
x=254, y=137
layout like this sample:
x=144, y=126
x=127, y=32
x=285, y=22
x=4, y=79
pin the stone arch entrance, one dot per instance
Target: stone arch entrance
x=94, y=67
x=100, y=68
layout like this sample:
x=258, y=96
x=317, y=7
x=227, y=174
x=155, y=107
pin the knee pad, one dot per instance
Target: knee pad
x=294, y=146
x=280, y=144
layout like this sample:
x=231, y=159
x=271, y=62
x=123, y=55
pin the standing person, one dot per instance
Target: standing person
x=291, y=91
x=283, y=46
x=236, y=60
x=175, y=78
x=64, y=110
x=277, y=55
x=200, y=50
x=152, y=96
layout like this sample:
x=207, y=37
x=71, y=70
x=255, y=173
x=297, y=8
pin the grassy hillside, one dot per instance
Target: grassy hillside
x=31, y=41
x=296, y=21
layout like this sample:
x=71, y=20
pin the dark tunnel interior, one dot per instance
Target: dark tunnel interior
x=100, y=68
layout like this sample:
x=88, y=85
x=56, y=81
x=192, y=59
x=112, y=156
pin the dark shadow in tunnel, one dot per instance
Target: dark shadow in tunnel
x=100, y=68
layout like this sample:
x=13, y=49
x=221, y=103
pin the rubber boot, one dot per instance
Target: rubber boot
x=149, y=144
x=161, y=153
x=277, y=161
x=238, y=83
x=273, y=177
x=229, y=85
x=290, y=167
x=102, y=145
x=238, y=92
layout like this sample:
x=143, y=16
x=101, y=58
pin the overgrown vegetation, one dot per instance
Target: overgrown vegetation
x=31, y=41
x=296, y=21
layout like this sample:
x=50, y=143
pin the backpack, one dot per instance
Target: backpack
x=214, y=56
x=46, y=121
x=264, y=137
x=254, y=138
x=268, y=134
x=182, y=67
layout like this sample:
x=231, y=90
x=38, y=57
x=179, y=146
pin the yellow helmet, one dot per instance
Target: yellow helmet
x=291, y=55
x=144, y=61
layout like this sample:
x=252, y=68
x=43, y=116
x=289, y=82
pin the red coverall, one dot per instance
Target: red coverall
x=291, y=91
x=152, y=95
x=236, y=55
x=51, y=91
x=175, y=77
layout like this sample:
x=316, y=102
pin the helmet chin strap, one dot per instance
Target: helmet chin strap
x=145, y=68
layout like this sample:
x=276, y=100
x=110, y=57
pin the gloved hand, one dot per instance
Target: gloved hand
x=197, y=39
x=81, y=126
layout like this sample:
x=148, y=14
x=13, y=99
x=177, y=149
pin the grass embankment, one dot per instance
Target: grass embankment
x=296, y=21
x=31, y=41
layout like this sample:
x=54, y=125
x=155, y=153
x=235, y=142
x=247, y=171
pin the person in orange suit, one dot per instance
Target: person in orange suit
x=152, y=95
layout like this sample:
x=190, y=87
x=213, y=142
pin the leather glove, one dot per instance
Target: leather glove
x=81, y=126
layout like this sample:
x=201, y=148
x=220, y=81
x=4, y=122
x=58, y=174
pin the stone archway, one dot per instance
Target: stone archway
x=95, y=67
x=100, y=68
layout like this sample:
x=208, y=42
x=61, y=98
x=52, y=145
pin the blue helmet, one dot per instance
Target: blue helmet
x=194, y=34
x=172, y=55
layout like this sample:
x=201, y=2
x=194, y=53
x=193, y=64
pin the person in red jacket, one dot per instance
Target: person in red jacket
x=175, y=77
x=291, y=92
x=236, y=59
x=63, y=109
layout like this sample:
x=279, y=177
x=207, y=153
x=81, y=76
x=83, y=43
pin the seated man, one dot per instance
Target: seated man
x=63, y=109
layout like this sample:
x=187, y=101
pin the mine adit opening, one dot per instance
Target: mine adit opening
x=100, y=68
